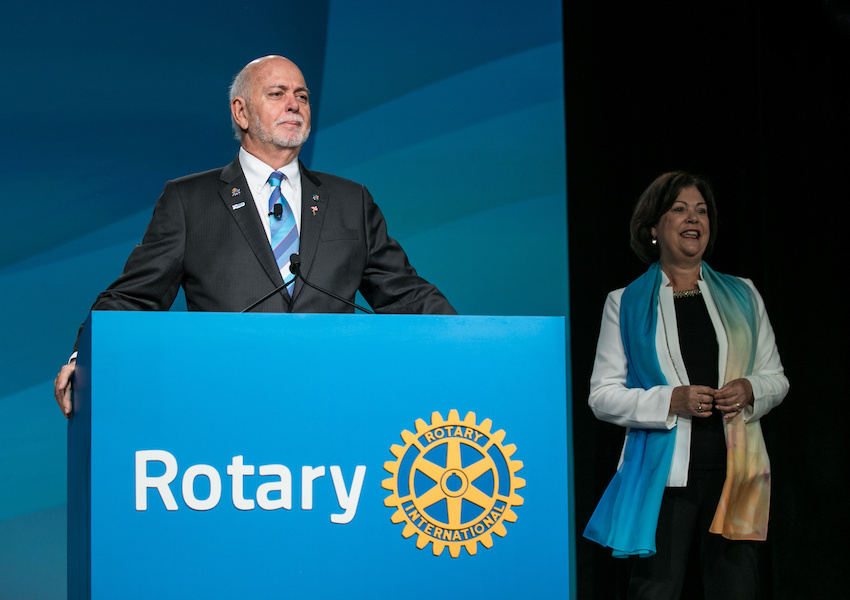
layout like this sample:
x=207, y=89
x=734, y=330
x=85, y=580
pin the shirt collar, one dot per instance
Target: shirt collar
x=257, y=172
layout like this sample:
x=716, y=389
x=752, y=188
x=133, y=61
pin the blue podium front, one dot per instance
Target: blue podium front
x=319, y=456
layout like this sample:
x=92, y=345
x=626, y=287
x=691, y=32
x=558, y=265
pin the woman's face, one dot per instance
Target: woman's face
x=682, y=232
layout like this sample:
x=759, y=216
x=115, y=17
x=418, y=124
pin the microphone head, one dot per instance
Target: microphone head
x=295, y=264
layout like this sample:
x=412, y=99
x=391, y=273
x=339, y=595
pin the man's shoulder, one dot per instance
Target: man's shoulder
x=225, y=173
x=196, y=179
x=327, y=179
x=233, y=170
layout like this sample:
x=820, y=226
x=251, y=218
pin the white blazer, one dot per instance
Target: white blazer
x=613, y=402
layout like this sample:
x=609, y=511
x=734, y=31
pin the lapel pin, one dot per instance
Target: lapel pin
x=237, y=206
x=235, y=192
x=315, y=209
x=315, y=197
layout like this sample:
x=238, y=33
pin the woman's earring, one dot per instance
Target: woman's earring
x=654, y=241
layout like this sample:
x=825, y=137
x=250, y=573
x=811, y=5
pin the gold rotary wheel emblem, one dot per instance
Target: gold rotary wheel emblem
x=453, y=483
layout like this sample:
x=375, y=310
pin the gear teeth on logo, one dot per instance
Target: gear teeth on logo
x=453, y=483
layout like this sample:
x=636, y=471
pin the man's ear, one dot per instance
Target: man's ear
x=239, y=111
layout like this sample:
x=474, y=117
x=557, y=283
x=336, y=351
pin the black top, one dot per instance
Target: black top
x=698, y=343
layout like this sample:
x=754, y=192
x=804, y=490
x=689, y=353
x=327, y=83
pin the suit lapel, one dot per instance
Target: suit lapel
x=234, y=192
x=313, y=209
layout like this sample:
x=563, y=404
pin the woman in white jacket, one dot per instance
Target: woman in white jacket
x=687, y=362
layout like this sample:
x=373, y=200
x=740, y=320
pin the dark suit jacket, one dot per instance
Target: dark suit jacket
x=206, y=235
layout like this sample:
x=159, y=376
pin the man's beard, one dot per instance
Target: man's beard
x=291, y=140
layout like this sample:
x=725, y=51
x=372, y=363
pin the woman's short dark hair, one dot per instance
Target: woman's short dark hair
x=657, y=200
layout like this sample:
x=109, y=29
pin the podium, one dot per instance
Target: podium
x=319, y=456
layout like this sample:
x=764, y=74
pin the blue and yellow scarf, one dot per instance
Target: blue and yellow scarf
x=627, y=515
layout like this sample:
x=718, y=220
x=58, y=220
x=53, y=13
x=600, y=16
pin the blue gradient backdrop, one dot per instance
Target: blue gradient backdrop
x=451, y=113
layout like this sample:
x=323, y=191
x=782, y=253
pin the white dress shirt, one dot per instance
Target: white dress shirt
x=257, y=174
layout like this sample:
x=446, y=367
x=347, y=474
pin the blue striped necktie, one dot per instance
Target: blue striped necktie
x=284, y=233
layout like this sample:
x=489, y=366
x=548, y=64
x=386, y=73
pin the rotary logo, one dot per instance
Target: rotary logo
x=453, y=483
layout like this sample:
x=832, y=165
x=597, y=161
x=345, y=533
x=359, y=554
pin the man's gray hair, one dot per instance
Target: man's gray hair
x=240, y=87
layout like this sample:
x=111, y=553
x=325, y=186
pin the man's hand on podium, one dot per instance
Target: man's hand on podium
x=62, y=387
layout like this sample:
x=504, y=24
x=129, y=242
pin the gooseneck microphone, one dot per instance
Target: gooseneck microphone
x=295, y=269
x=270, y=294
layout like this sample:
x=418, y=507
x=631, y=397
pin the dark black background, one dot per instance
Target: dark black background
x=755, y=96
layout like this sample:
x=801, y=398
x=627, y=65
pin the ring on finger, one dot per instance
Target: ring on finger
x=699, y=407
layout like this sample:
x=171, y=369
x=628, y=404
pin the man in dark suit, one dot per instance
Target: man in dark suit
x=213, y=233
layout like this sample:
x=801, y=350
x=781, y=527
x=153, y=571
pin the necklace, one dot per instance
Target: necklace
x=686, y=294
